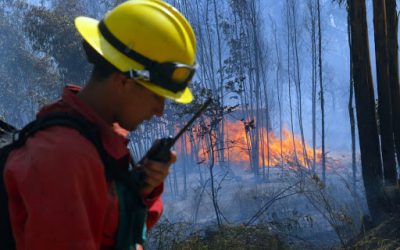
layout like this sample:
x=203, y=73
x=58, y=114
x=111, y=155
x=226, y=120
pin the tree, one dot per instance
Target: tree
x=365, y=105
x=384, y=101
x=351, y=111
x=312, y=29
x=321, y=92
x=52, y=31
x=247, y=67
x=28, y=80
x=294, y=75
x=278, y=89
x=288, y=16
x=392, y=31
x=207, y=131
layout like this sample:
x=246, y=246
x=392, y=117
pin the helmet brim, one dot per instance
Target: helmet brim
x=88, y=28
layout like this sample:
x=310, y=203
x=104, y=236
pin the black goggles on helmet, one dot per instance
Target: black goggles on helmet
x=172, y=76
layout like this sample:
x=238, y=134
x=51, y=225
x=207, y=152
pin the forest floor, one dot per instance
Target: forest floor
x=386, y=236
x=278, y=213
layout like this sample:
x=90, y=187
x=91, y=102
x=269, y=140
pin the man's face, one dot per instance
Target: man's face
x=137, y=104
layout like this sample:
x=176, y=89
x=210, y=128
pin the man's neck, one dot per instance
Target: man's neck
x=96, y=96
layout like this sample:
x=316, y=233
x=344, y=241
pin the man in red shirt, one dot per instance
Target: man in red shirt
x=143, y=51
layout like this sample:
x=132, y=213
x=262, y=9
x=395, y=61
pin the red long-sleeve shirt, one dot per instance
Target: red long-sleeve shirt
x=58, y=195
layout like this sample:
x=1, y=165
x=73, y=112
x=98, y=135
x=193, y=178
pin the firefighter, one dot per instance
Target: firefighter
x=142, y=51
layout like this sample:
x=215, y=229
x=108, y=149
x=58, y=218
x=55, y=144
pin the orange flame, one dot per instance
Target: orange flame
x=272, y=150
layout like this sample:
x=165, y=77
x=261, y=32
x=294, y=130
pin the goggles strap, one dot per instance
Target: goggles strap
x=148, y=63
x=168, y=85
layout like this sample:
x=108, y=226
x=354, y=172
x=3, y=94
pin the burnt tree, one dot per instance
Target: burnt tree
x=392, y=31
x=365, y=106
x=384, y=103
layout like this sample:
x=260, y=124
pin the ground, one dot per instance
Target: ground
x=386, y=236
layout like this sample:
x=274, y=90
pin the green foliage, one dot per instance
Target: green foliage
x=27, y=79
x=53, y=32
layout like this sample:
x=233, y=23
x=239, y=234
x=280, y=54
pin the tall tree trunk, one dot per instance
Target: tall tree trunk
x=211, y=159
x=384, y=107
x=185, y=165
x=392, y=31
x=353, y=135
x=279, y=93
x=313, y=40
x=297, y=80
x=254, y=30
x=351, y=113
x=321, y=91
x=220, y=130
x=365, y=105
x=289, y=29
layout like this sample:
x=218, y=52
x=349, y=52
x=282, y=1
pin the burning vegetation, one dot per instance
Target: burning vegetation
x=238, y=147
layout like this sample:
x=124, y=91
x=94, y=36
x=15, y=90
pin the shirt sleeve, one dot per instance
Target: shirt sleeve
x=57, y=199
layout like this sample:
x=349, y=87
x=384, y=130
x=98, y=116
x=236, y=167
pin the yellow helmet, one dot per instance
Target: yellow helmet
x=149, y=40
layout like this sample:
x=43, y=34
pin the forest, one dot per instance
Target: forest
x=300, y=147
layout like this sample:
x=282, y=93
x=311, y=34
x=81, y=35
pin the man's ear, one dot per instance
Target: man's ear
x=119, y=81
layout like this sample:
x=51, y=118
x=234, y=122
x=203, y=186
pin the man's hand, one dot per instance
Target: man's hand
x=155, y=173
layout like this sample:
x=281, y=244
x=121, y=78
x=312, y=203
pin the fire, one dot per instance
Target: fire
x=271, y=150
x=238, y=145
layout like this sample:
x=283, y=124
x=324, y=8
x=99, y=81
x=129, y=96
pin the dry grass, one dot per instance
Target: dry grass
x=386, y=236
x=226, y=237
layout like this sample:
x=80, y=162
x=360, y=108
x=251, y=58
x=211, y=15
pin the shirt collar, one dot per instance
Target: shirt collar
x=113, y=137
